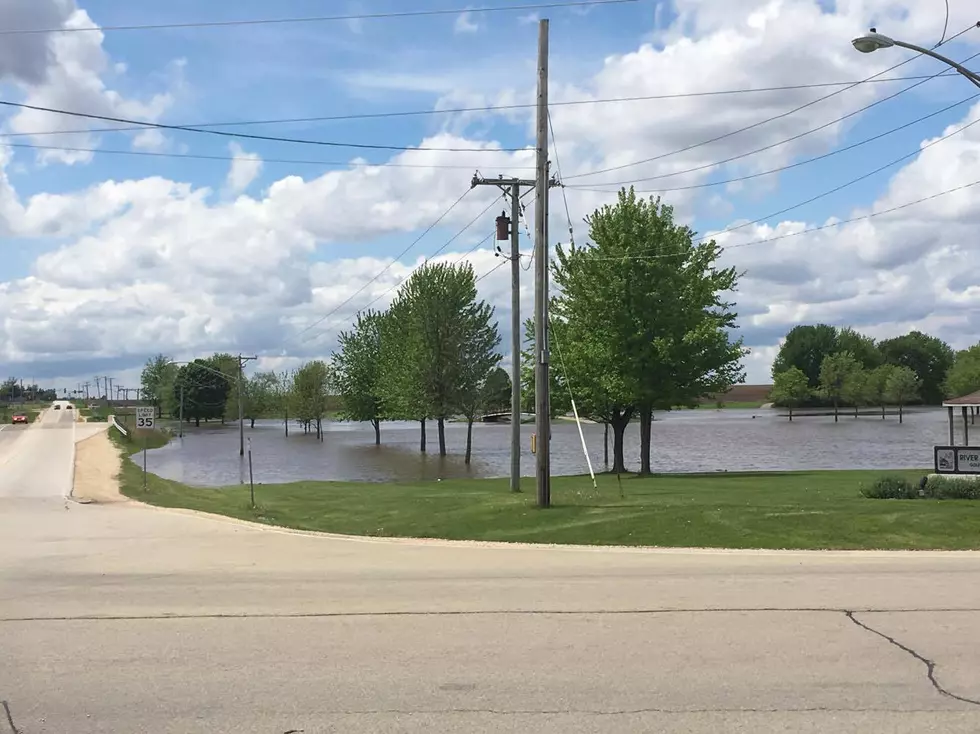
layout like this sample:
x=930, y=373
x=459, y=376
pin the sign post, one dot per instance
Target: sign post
x=144, y=421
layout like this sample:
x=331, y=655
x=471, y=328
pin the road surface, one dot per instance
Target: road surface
x=122, y=618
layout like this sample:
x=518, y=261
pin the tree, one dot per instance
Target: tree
x=805, y=347
x=876, y=386
x=835, y=371
x=862, y=348
x=790, y=388
x=401, y=389
x=902, y=387
x=227, y=364
x=477, y=358
x=558, y=387
x=929, y=357
x=964, y=375
x=157, y=381
x=855, y=389
x=440, y=313
x=260, y=395
x=311, y=388
x=281, y=397
x=358, y=370
x=644, y=305
x=497, y=391
x=205, y=390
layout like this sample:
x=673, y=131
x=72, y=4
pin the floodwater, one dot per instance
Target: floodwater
x=704, y=440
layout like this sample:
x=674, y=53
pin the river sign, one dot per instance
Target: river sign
x=957, y=459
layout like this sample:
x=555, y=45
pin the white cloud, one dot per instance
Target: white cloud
x=245, y=168
x=465, y=24
x=158, y=263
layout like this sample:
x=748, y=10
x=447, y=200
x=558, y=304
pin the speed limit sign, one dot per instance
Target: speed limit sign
x=144, y=417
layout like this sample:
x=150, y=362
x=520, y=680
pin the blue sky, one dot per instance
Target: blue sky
x=228, y=74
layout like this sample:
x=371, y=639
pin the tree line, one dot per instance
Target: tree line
x=822, y=365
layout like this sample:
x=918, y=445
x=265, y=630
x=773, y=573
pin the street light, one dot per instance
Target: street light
x=873, y=41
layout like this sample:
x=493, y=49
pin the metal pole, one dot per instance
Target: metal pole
x=251, y=483
x=241, y=411
x=515, y=337
x=144, y=462
x=181, y=411
x=966, y=428
x=542, y=418
x=952, y=434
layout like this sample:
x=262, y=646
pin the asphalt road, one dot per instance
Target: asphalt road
x=121, y=618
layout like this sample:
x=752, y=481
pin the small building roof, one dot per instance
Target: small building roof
x=967, y=401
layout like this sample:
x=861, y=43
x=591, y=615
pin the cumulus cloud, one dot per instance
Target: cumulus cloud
x=465, y=24
x=159, y=263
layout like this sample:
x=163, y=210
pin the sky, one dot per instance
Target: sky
x=118, y=244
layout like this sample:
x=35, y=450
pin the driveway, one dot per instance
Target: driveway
x=124, y=618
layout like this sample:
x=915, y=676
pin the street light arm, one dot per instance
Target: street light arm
x=972, y=76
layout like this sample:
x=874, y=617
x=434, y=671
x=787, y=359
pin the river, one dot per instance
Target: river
x=704, y=440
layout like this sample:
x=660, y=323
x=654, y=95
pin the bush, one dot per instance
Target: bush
x=948, y=488
x=891, y=488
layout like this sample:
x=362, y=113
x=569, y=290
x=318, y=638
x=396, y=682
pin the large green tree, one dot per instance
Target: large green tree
x=641, y=319
x=964, y=375
x=478, y=358
x=903, y=388
x=876, y=386
x=497, y=391
x=559, y=404
x=402, y=391
x=157, y=382
x=260, y=396
x=205, y=391
x=310, y=391
x=805, y=347
x=358, y=371
x=929, y=357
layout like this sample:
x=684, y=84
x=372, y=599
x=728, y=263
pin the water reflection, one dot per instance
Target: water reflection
x=686, y=441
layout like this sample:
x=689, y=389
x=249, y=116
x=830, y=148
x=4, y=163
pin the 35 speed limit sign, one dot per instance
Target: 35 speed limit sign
x=144, y=417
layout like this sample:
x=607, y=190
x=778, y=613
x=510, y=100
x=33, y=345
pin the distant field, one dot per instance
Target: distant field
x=742, y=396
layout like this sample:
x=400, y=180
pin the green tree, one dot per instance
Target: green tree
x=441, y=314
x=876, y=386
x=646, y=302
x=855, y=388
x=260, y=396
x=863, y=348
x=205, y=391
x=790, y=388
x=227, y=364
x=157, y=382
x=311, y=388
x=929, y=357
x=478, y=357
x=558, y=387
x=497, y=391
x=281, y=397
x=835, y=371
x=964, y=375
x=805, y=347
x=358, y=370
x=401, y=389
x=902, y=388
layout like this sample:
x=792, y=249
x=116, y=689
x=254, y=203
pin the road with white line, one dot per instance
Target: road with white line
x=123, y=618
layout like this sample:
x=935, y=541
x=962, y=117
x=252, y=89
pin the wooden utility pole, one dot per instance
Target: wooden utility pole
x=241, y=404
x=542, y=416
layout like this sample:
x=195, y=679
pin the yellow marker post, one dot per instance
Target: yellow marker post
x=534, y=443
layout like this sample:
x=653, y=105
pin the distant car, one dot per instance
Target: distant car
x=57, y=406
x=68, y=407
x=20, y=418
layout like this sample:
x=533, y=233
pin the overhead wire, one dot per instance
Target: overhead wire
x=387, y=267
x=250, y=136
x=317, y=18
x=485, y=108
x=780, y=169
x=760, y=123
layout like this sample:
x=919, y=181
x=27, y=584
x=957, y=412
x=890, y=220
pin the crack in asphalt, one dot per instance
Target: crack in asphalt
x=930, y=664
x=10, y=718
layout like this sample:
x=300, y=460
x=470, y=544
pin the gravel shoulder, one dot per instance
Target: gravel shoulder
x=97, y=467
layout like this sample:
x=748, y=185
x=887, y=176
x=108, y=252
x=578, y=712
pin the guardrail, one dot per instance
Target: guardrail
x=118, y=426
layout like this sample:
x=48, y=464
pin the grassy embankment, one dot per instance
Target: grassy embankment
x=772, y=510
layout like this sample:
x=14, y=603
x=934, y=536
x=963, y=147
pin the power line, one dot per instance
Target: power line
x=399, y=283
x=249, y=136
x=788, y=167
x=316, y=18
x=386, y=267
x=809, y=230
x=196, y=156
x=763, y=122
x=486, y=108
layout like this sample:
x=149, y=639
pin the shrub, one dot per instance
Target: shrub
x=890, y=488
x=948, y=488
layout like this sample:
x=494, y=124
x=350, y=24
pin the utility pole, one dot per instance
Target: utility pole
x=241, y=405
x=181, y=410
x=542, y=416
x=514, y=185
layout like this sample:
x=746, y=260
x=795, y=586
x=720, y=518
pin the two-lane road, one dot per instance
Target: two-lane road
x=36, y=460
x=122, y=618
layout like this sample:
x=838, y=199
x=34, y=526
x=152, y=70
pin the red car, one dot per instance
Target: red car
x=20, y=418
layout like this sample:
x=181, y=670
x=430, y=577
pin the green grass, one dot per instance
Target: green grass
x=815, y=510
